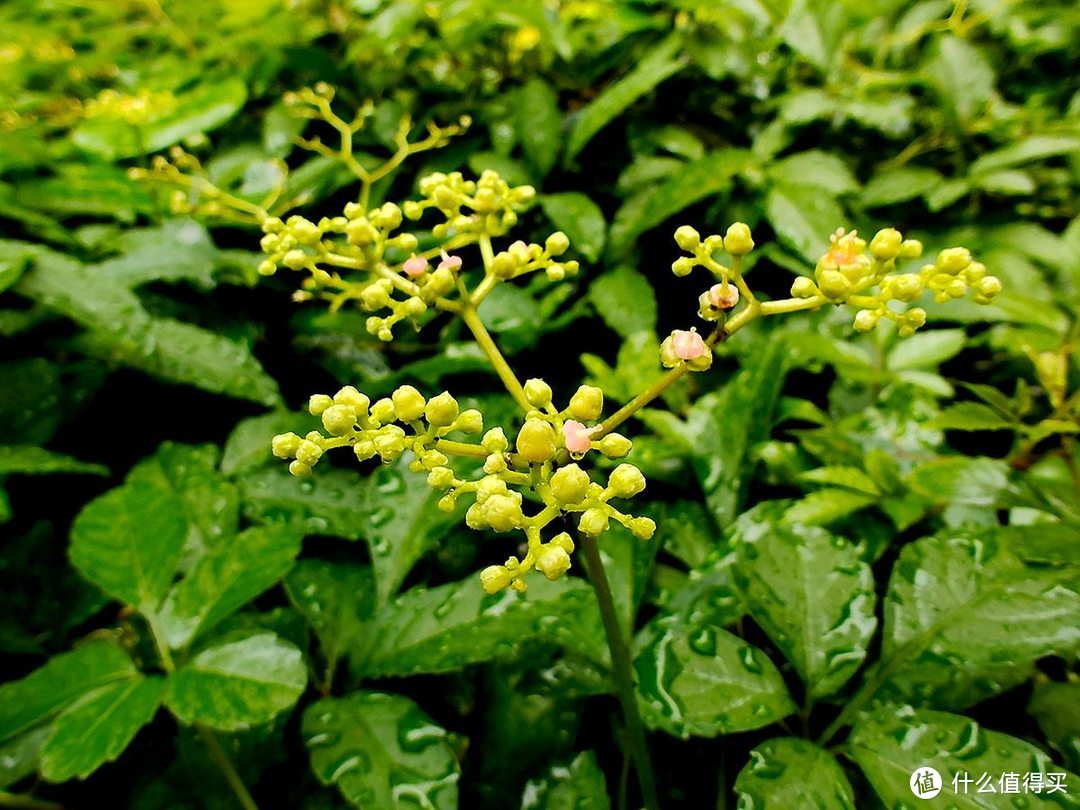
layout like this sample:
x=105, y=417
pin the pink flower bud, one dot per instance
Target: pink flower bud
x=688, y=345
x=450, y=263
x=724, y=296
x=415, y=266
x=576, y=436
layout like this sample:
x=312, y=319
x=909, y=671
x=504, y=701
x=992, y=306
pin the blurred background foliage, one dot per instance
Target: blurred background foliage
x=139, y=359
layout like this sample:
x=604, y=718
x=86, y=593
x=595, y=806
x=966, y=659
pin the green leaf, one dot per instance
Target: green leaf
x=972, y=416
x=821, y=170
x=30, y=409
x=447, y=628
x=893, y=743
x=177, y=250
x=240, y=680
x=129, y=543
x=803, y=218
x=962, y=75
x=98, y=727
x=330, y=502
x=788, y=772
x=662, y=62
x=961, y=480
x=899, y=184
x=401, y=523
x=80, y=190
x=689, y=184
x=826, y=506
x=381, y=751
x=63, y=679
x=580, y=218
x=1025, y=150
x=695, y=678
x=926, y=349
x=211, y=504
x=335, y=598
x=1056, y=707
x=29, y=460
x=685, y=530
x=226, y=579
x=248, y=446
x=538, y=124
x=965, y=619
x=813, y=596
x=625, y=300
x=577, y=785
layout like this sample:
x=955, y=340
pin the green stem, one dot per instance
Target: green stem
x=14, y=800
x=498, y=362
x=621, y=669
x=221, y=757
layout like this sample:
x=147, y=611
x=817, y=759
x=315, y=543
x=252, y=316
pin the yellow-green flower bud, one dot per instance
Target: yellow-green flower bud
x=570, y=484
x=833, y=284
x=364, y=449
x=865, y=320
x=495, y=578
x=440, y=477
x=447, y=503
x=307, y=452
x=502, y=513
x=470, y=421
x=536, y=441
x=953, y=260
x=495, y=441
x=587, y=403
x=374, y=296
x=988, y=286
x=804, y=287
x=682, y=266
x=593, y=522
x=643, y=527
x=295, y=259
x=382, y=410
x=504, y=265
x=339, y=420
x=557, y=244
x=538, y=393
x=441, y=410
x=409, y=403
x=626, y=481
x=360, y=232
x=564, y=541
x=391, y=443
x=348, y=395
x=886, y=244
x=737, y=240
x=318, y=403
x=687, y=238
x=284, y=445
x=300, y=469
x=910, y=249
x=614, y=445
x=906, y=287
x=552, y=561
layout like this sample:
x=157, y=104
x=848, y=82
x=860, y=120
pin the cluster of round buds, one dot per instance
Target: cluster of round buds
x=548, y=432
x=522, y=258
x=488, y=206
x=372, y=429
x=143, y=106
x=686, y=348
x=720, y=298
x=854, y=273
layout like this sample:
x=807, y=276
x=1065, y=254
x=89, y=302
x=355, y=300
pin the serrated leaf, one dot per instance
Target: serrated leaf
x=30, y=460
x=926, y=349
x=661, y=62
x=580, y=218
x=177, y=250
x=98, y=727
x=842, y=476
x=625, y=300
x=577, y=785
x=899, y=184
x=239, y=681
x=788, y=772
x=446, y=628
x=335, y=598
x=690, y=183
x=1056, y=707
x=803, y=218
x=381, y=751
x=961, y=480
x=893, y=743
x=401, y=524
x=697, y=679
x=825, y=506
x=248, y=445
x=821, y=170
x=226, y=579
x=538, y=124
x=962, y=75
x=330, y=502
x=685, y=530
x=813, y=596
x=972, y=416
x=1025, y=150
x=965, y=619
x=129, y=543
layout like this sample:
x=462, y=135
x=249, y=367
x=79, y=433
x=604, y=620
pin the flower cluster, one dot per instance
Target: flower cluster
x=853, y=273
x=488, y=206
x=715, y=302
x=542, y=464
